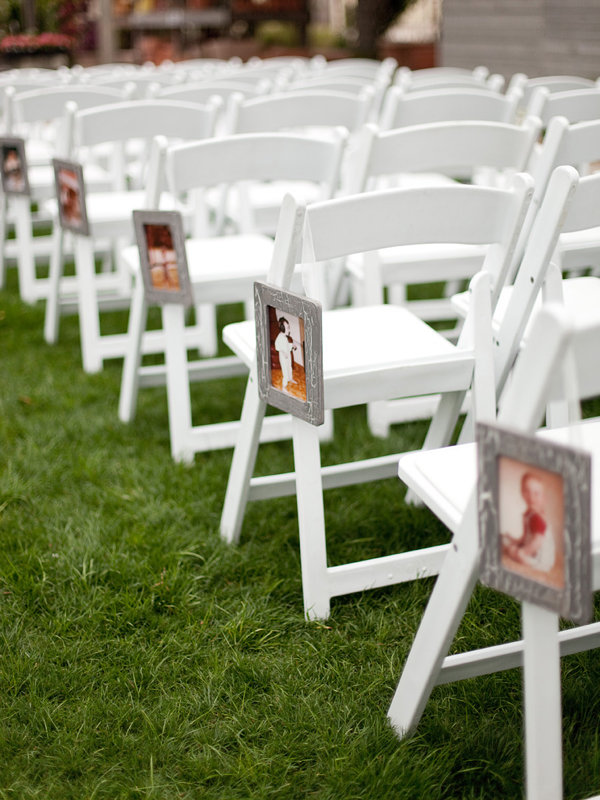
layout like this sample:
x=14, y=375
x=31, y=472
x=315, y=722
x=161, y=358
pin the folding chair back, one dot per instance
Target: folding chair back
x=307, y=109
x=202, y=91
x=576, y=105
x=448, y=79
x=401, y=108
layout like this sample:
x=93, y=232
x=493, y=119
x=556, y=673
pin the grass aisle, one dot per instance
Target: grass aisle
x=141, y=657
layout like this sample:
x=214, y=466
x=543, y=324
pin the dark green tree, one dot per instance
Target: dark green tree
x=373, y=18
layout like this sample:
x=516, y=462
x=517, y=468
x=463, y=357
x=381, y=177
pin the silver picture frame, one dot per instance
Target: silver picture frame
x=14, y=173
x=534, y=511
x=289, y=347
x=70, y=194
x=163, y=262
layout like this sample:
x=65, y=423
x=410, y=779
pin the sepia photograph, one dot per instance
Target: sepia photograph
x=286, y=334
x=531, y=515
x=534, y=512
x=163, y=262
x=289, y=352
x=14, y=166
x=70, y=191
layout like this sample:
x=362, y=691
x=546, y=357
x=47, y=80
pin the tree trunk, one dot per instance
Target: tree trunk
x=28, y=15
x=373, y=18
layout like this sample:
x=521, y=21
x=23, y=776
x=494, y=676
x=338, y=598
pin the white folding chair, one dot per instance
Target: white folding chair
x=110, y=214
x=222, y=270
x=555, y=337
x=372, y=353
x=40, y=115
x=430, y=155
x=445, y=480
x=402, y=108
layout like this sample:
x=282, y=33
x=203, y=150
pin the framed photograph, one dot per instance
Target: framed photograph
x=289, y=344
x=70, y=192
x=163, y=261
x=14, y=166
x=534, y=513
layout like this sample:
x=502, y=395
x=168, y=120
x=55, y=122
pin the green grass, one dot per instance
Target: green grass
x=141, y=657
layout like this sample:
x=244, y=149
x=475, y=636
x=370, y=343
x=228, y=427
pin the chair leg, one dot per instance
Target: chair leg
x=89, y=317
x=178, y=384
x=206, y=318
x=311, y=519
x=447, y=604
x=543, y=721
x=52, y=316
x=242, y=464
x=25, y=258
x=3, y=227
x=130, y=378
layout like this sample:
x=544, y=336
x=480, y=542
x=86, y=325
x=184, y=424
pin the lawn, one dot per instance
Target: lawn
x=141, y=657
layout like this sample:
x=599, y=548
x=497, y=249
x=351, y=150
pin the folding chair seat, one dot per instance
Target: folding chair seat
x=39, y=115
x=110, y=214
x=374, y=353
x=429, y=155
x=222, y=270
x=402, y=108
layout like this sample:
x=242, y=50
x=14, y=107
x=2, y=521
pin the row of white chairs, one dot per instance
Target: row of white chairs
x=374, y=353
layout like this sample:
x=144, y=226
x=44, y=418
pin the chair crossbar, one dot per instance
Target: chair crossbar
x=375, y=573
x=332, y=477
x=501, y=657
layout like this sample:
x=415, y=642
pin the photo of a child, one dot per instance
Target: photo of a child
x=14, y=166
x=162, y=258
x=70, y=194
x=287, y=353
x=70, y=197
x=531, y=511
x=14, y=180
